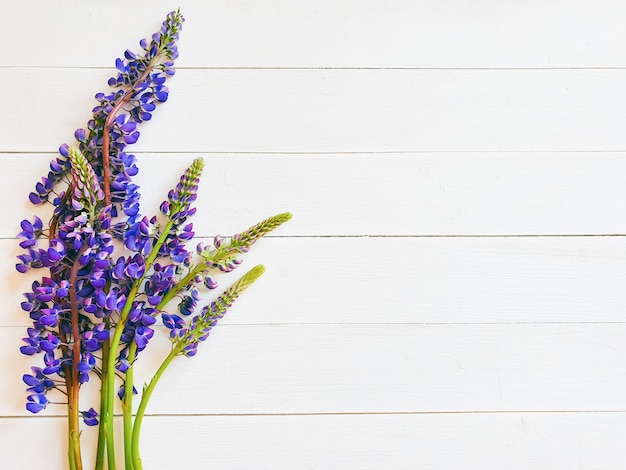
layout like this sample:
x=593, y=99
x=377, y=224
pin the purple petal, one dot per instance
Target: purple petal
x=80, y=135
x=161, y=96
x=34, y=407
x=119, y=64
x=34, y=198
x=131, y=138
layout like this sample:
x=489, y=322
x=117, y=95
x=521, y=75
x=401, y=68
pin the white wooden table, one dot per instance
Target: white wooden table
x=451, y=291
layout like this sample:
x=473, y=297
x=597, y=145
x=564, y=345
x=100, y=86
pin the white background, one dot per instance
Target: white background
x=450, y=293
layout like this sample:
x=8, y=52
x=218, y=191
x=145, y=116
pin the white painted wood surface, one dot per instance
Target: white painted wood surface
x=339, y=110
x=413, y=194
x=450, y=293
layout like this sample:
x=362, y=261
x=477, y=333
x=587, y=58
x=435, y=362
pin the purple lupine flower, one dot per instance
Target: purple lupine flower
x=223, y=255
x=86, y=191
x=178, y=209
x=189, y=302
x=30, y=232
x=188, y=339
x=174, y=323
x=36, y=402
x=142, y=336
x=90, y=417
x=94, y=339
x=122, y=391
x=140, y=84
x=80, y=238
x=210, y=283
x=90, y=289
x=38, y=382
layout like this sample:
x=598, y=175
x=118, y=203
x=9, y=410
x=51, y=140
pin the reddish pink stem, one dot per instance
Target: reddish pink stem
x=106, y=171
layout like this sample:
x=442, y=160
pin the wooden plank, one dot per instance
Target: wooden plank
x=368, y=194
x=336, y=110
x=412, y=280
x=290, y=369
x=362, y=352
x=371, y=442
x=350, y=33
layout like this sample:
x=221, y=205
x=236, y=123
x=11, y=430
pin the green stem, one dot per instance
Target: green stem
x=127, y=406
x=73, y=431
x=218, y=255
x=108, y=388
x=71, y=373
x=114, y=345
x=103, y=393
x=145, y=398
x=108, y=435
x=221, y=304
x=70, y=454
x=180, y=285
x=107, y=392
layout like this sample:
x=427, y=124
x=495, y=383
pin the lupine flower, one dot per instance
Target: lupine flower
x=188, y=339
x=189, y=302
x=38, y=382
x=80, y=240
x=178, y=209
x=30, y=232
x=95, y=308
x=36, y=402
x=244, y=240
x=86, y=190
x=140, y=86
x=90, y=417
x=223, y=255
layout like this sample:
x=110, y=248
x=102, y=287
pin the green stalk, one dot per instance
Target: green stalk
x=70, y=454
x=107, y=418
x=135, y=463
x=218, y=255
x=103, y=393
x=223, y=302
x=127, y=406
x=73, y=430
x=245, y=239
x=145, y=398
x=108, y=435
x=147, y=392
x=180, y=286
x=71, y=378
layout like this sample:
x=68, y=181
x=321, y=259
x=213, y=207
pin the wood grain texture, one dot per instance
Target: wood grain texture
x=326, y=33
x=450, y=293
x=513, y=441
x=331, y=280
x=367, y=194
x=240, y=110
x=379, y=368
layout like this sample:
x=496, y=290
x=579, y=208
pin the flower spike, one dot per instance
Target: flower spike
x=93, y=311
x=86, y=190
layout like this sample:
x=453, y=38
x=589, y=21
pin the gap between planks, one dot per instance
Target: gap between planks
x=93, y=67
x=344, y=413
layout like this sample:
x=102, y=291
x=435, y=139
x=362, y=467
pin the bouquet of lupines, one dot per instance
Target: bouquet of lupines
x=95, y=309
